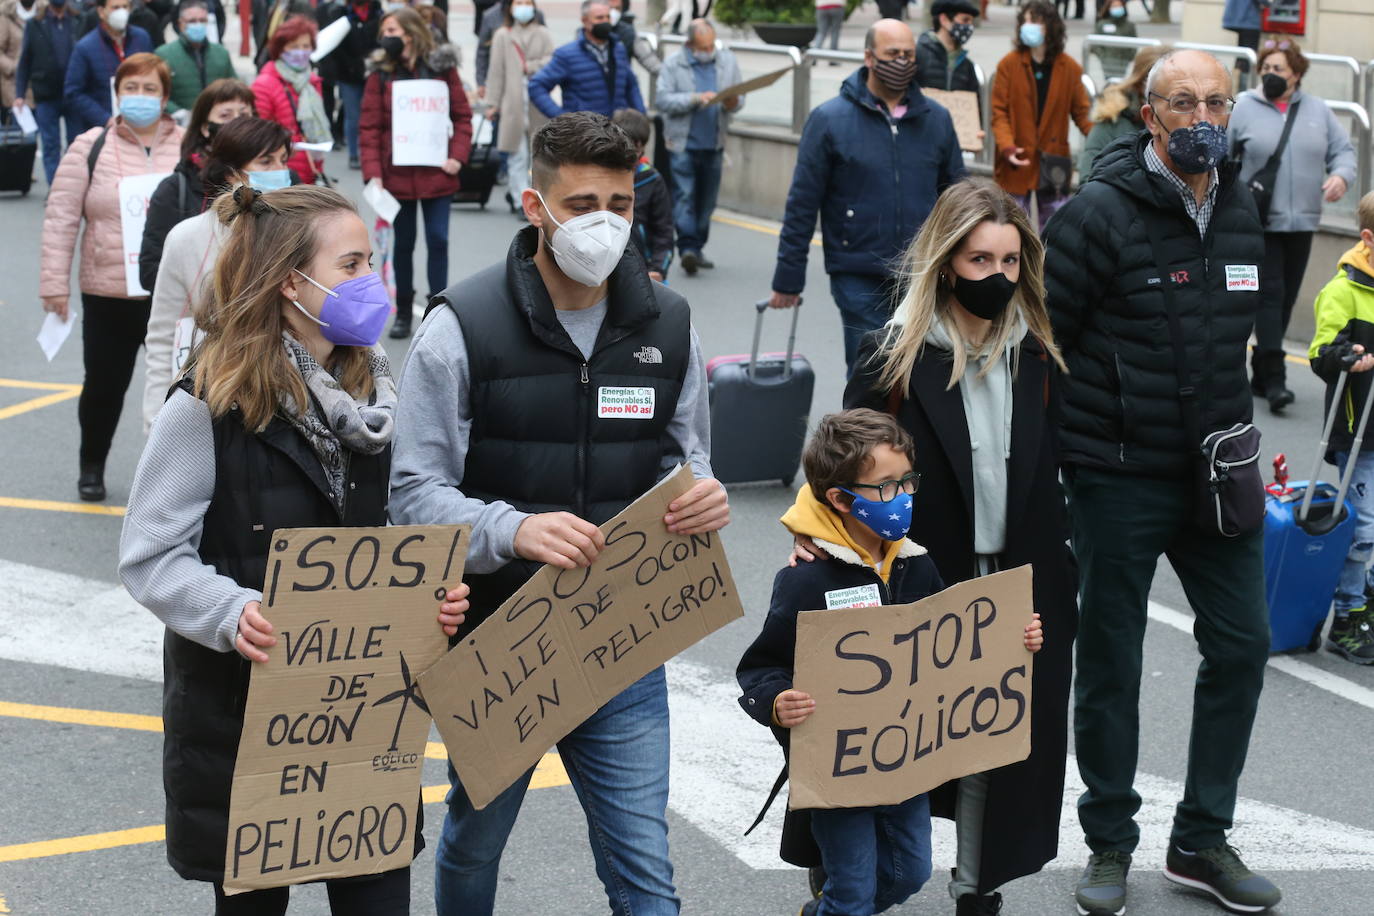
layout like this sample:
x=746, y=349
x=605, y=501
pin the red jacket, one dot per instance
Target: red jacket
x=410, y=182
x=276, y=101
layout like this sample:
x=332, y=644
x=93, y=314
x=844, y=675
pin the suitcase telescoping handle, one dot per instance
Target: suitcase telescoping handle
x=1322, y=525
x=762, y=306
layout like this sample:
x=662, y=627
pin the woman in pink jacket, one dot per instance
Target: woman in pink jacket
x=140, y=140
x=288, y=92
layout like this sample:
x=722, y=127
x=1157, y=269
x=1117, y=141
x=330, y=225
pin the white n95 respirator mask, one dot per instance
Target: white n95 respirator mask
x=588, y=247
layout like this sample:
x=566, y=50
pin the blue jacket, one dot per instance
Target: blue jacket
x=586, y=87
x=874, y=181
x=93, y=64
x=1240, y=14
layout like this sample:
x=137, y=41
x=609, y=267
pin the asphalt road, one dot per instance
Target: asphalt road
x=80, y=759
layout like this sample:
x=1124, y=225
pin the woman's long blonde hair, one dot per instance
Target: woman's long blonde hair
x=241, y=361
x=1129, y=92
x=927, y=295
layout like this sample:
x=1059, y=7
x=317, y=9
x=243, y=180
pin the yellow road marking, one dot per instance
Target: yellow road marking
x=4, y=908
x=754, y=227
x=87, y=843
x=50, y=505
x=38, y=386
x=36, y=403
x=83, y=716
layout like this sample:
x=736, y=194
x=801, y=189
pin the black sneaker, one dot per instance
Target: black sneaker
x=1352, y=637
x=810, y=907
x=690, y=262
x=1220, y=872
x=1102, y=889
x=974, y=905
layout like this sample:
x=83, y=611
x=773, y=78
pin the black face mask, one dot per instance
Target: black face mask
x=393, y=45
x=212, y=128
x=602, y=31
x=1273, y=85
x=986, y=298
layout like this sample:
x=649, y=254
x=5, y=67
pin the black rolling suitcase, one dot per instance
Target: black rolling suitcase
x=760, y=404
x=16, y=155
x=478, y=175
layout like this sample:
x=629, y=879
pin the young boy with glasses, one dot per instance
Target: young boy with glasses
x=856, y=507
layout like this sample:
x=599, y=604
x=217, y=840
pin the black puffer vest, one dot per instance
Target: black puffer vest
x=550, y=432
x=263, y=482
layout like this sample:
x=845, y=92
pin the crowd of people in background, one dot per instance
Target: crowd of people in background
x=992, y=336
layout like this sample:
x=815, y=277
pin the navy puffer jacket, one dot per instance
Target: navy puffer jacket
x=1120, y=407
x=586, y=87
x=873, y=179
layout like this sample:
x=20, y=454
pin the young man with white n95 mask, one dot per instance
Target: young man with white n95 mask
x=498, y=427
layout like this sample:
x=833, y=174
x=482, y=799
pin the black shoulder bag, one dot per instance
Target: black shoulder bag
x=1228, y=489
x=1262, y=183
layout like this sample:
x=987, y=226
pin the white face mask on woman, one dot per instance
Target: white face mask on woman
x=588, y=247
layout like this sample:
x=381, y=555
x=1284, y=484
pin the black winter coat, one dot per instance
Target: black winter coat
x=1120, y=399
x=348, y=62
x=766, y=668
x=46, y=73
x=179, y=196
x=1021, y=823
x=263, y=482
x=653, y=224
x=933, y=70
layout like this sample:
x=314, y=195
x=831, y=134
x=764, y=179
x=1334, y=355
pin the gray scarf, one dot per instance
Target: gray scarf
x=310, y=116
x=333, y=422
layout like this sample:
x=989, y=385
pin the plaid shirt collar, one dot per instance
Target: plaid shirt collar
x=1201, y=213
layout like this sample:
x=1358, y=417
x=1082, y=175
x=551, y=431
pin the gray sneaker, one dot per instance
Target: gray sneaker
x=1220, y=872
x=1102, y=889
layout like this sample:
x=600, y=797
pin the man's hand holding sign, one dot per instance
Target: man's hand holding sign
x=613, y=604
x=890, y=702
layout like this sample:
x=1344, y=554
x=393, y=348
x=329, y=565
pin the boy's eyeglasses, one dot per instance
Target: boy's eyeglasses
x=889, y=489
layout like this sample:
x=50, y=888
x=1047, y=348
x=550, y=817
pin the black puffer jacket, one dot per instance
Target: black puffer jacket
x=935, y=69
x=1120, y=409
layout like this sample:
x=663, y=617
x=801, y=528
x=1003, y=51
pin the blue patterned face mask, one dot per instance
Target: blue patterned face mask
x=888, y=520
x=1196, y=149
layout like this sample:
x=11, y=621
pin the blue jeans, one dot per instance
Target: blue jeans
x=696, y=185
x=351, y=95
x=1355, y=575
x=865, y=302
x=50, y=116
x=436, y=211
x=874, y=858
x=617, y=762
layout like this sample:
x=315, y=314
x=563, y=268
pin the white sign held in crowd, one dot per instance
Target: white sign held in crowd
x=420, y=125
x=134, y=192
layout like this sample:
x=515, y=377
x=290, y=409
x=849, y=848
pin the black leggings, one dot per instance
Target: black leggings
x=1285, y=261
x=388, y=894
x=112, y=330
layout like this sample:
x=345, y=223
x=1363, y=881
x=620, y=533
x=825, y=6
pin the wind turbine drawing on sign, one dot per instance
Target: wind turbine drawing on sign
x=407, y=694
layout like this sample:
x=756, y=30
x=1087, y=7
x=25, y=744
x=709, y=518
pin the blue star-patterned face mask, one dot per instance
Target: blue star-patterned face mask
x=889, y=520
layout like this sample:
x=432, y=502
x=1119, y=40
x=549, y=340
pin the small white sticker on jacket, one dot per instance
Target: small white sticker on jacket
x=1242, y=276
x=624, y=403
x=858, y=596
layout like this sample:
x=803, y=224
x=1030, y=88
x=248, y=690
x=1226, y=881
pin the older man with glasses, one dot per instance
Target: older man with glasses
x=1163, y=226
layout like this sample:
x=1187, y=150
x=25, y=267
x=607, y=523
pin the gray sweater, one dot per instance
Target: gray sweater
x=1318, y=146
x=434, y=420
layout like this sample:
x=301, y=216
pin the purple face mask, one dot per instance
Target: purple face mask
x=354, y=312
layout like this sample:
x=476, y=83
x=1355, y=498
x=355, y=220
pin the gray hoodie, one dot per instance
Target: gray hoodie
x=1318, y=146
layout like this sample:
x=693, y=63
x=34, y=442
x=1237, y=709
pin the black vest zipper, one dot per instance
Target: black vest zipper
x=584, y=421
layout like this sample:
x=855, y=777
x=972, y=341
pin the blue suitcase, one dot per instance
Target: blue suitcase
x=1307, y=534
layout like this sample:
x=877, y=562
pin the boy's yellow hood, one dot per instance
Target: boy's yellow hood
x=812, y=518
x=1358, y=258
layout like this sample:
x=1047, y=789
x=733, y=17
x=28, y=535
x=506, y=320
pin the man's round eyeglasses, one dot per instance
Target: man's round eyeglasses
x=1187, y=104
x=888, y=489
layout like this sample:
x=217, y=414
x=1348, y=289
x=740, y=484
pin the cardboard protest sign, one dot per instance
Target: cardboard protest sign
x=911, y=696
x=134, y=193
x=420, y=125
x=748, y=86
x=570, y=640
x=963, y=108
x=327, y=781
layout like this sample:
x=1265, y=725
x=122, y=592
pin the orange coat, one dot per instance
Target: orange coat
x=1014, y=122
